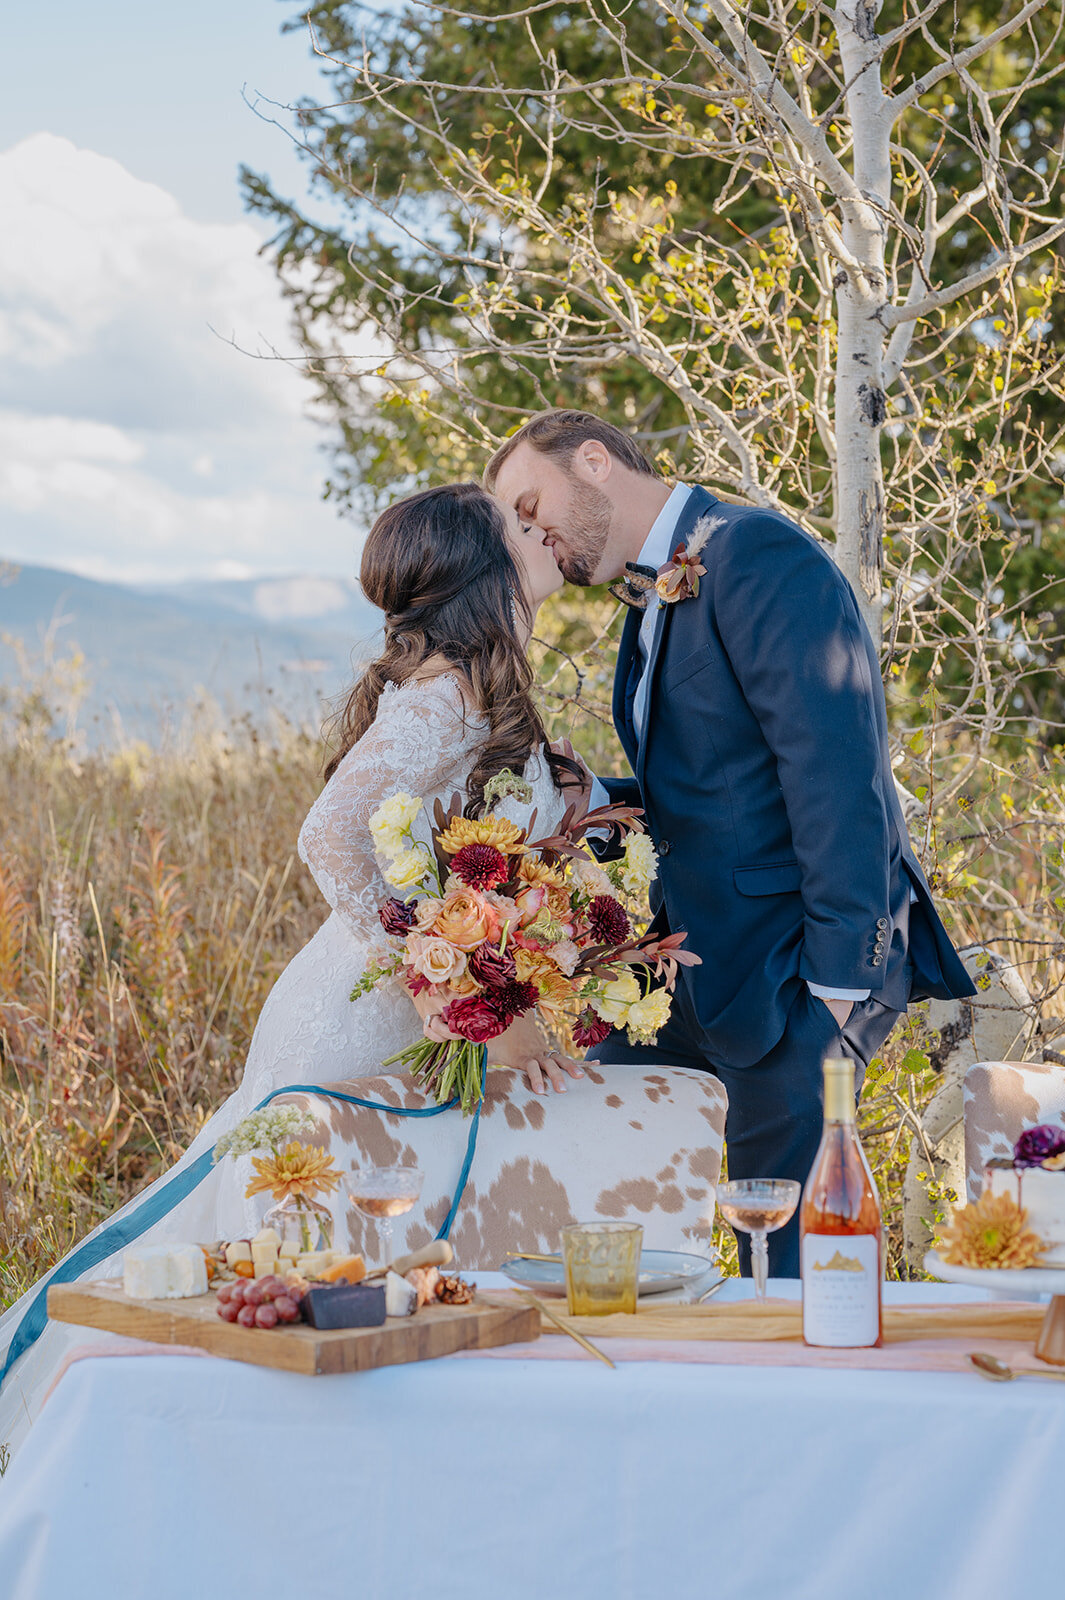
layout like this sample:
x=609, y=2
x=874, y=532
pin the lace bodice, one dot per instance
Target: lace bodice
x=423, y=740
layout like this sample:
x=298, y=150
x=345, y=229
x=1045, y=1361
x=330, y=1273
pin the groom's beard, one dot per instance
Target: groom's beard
x=589, y=518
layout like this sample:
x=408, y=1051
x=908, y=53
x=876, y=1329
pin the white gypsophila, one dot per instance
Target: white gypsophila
x=264, y=1130
x=391, y=823
x=638, y=868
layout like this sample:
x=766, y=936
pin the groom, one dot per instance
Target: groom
x=750, y=707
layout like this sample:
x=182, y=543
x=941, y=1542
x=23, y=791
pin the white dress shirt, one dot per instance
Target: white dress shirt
x=656, y=551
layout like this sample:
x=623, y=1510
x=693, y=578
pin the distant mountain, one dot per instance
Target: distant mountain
x=149, y=653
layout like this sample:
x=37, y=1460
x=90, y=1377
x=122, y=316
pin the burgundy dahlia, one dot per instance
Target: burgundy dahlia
x=397, y=916
x=474, y=1019
x=609, y=920
x=491, y=966
x=481, y=866
x=513, y=1000
x=1036, y=1144
x=589, y=1030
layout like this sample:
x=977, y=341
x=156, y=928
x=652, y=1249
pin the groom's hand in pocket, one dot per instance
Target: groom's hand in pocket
x=840, y=1009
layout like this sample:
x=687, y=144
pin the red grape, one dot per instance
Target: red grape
x=253, y=1295
x=225, y=1293
x=266, y=1317
x=246, y=1316
x=286, y=1308
x=229, y=1311
x=236, y=1292
x=271, y=1286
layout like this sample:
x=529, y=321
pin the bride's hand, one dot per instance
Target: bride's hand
x=429, y=1007
x=524, y=1047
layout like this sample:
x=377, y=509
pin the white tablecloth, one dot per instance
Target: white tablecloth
x=170, y=1477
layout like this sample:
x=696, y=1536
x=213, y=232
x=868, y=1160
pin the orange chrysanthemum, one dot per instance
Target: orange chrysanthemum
x=497, y=831
x=300, y=1169
x=993, y=1232
x=532, y=870
x=536, y=967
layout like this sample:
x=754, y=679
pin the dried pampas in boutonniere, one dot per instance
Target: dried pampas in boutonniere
x=679, y=578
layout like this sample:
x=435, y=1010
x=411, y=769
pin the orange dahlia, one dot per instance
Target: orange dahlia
x=300, y=1169
x=993, y=1232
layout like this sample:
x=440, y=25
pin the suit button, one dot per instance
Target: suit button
x=664, y=847
x=881, y=922
x=877, y=961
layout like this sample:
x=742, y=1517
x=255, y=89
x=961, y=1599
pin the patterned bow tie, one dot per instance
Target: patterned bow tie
x=636, y=587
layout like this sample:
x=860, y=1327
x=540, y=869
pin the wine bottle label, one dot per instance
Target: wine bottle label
x=840, y=1289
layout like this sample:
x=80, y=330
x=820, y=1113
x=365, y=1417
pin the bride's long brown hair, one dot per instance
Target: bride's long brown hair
x=438, y=565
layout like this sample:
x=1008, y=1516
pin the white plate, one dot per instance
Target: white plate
x=1019, y=1280
x=660, y=1271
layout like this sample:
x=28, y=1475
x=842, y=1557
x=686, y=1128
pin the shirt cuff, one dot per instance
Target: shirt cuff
x=598, y=796
x=824, y=992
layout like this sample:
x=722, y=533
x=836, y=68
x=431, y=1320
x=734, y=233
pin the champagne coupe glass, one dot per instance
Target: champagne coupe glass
x=382, y=1193
x=758, y=1206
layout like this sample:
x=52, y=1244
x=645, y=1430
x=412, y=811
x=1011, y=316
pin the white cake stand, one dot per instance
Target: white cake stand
x=1017, y=1280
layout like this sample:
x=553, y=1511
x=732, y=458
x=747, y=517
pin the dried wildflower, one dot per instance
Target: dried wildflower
x=993, y=1232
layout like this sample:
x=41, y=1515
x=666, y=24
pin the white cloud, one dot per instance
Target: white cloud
x=134, y=440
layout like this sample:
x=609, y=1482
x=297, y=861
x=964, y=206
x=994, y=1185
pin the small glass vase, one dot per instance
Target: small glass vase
x=301, y=1221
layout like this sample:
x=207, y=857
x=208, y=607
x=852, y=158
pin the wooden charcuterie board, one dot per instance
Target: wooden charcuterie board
x=433, y=1331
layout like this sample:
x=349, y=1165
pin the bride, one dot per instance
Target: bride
x=446, y=707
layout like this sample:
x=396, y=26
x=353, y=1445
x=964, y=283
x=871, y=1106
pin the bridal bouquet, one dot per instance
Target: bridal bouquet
x=495, y=925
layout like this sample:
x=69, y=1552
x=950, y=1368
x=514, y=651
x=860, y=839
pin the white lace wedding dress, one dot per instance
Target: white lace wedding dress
x=423, y=741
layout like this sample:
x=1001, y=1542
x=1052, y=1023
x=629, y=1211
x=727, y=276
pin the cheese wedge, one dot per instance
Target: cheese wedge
x=164, y=1272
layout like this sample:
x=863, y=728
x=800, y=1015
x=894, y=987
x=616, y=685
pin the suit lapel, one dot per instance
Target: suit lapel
x=624, y=684
x=697, y=504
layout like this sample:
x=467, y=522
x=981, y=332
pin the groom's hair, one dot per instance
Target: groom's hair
x=560, y=434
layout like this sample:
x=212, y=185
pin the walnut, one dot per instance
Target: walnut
x=455, y=1292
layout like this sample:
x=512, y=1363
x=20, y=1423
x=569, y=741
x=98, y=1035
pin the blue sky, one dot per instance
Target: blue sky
x=135, y=442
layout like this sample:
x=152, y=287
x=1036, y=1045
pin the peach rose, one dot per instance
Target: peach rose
x=425, y=913
x=465, y=919
x=434, y=958
x=530, y=901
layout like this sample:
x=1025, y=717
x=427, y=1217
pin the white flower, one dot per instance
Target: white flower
x=638, y=868
x=409, y=868
x=647, y=1016
x=392, y=821
x=565, y=955
x=591, y=877
x=614, y=999
x=434, y=958
x=265, y=1129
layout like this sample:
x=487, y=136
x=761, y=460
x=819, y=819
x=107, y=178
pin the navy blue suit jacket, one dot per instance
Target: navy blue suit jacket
x=766, y=781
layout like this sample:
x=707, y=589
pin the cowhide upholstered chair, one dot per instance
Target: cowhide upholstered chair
x=623, y=1142
x=1002, y=1098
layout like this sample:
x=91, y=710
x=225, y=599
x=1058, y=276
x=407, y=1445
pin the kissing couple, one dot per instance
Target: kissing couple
x=749, y=705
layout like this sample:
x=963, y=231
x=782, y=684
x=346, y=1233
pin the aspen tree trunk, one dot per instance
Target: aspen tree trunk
x=860, y=402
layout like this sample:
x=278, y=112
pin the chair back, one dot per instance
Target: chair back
x=642, y=1145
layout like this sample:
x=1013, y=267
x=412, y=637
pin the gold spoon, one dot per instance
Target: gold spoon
x=996, y=1371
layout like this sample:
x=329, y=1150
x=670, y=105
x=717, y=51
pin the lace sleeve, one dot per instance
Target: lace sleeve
x=420, y=742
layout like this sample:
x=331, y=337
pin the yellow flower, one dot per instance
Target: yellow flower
x=638, y=867
x=993, y=1232
x=300, y=1169
x=536, y=966
x=408, y=869
x=615, y=998
x=533, y=870
x=647, y=1016
x=391, y=822
x=498, y=831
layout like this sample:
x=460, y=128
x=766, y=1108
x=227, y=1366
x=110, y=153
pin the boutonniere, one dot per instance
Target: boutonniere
x=679, y=578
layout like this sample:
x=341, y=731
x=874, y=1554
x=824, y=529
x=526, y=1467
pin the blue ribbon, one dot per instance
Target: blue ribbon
x=168, y=1195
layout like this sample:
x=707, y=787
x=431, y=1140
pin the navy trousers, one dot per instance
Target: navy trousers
x=775, y=1107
